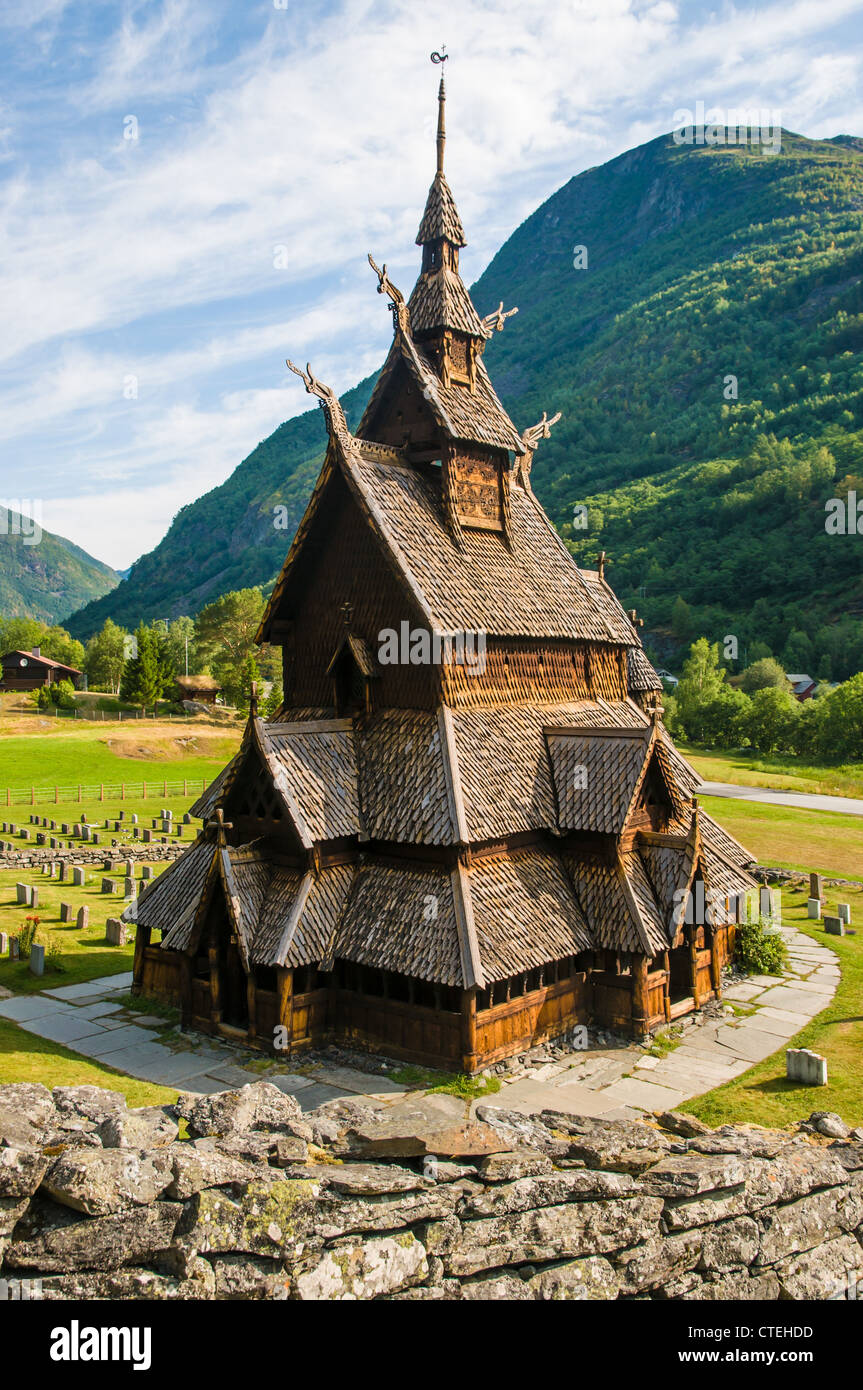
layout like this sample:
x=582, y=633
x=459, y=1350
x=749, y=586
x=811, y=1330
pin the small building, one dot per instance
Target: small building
x=31, y=670
x=802, y=686
x=203, y=689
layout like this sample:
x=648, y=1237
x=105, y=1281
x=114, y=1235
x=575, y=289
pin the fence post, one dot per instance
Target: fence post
x=32, y=796
x=101, y=791
x=56, y=795
x=122, y=791
x=143, y=791
x=185, y=787
x=164, y=788
x=79, y=793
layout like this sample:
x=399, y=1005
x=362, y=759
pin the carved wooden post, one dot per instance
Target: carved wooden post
x=716, y=960
x=285, y=1000
x=252, y=1000
x=640, y=1002
x=693, y=962
x=215, y=984
x=666, y=997
x=468, y=1031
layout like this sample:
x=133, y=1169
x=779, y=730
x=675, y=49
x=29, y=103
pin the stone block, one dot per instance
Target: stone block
x=813, y=909
x=834, y=926
x=37, y=959
x=14, y=948
x=4, y=943
x=108, y=885
x=844, y=912
x=816, y=886
x=83, y=918
x=78, y=877
x=803, y=1065
x=23, y=894
x=67, y=912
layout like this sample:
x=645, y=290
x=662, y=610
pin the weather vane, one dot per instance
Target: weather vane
x=440, y=57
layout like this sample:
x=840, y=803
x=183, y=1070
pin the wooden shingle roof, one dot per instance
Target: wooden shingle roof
x=525, y=913
x=440, y=217
x=439, y=300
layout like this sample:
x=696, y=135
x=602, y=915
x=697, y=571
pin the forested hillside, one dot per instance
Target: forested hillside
x=708, y=362
x=44, y=576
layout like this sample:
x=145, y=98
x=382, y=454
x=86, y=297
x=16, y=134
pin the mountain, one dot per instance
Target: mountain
x=708, y=363
x=48, y=580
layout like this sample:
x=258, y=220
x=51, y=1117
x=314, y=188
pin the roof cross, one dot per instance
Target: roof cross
x=220, y=825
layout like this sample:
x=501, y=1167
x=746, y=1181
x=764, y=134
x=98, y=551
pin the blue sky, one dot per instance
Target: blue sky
x=153, y=286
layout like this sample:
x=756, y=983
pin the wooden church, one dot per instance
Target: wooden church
x=466, y=830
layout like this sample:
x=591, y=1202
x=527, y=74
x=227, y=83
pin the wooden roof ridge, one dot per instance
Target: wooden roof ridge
x=471, y=964
x=452, y=775
x=287, y=728
x=302, y=531
x=293, y=918
x=632, y=904
x=260, y=737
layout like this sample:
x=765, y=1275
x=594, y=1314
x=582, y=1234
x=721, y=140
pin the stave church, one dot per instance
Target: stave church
x=454, y=845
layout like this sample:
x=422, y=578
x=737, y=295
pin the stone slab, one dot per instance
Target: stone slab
x=748, y=1043
x=643, y=1095
x=530, y=1097
x=22, y=1008
x=65, y=1028
x=797, y=1001
x=115, y=1039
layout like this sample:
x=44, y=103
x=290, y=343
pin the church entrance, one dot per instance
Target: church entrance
x=232, y=987
x=680, y=980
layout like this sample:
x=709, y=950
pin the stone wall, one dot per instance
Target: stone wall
x=240, y=1195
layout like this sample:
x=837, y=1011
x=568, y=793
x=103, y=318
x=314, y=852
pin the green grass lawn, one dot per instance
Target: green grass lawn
x=763, y=1095
x=782, y=773
x=85, y=759
x=790, y=838
x=26, y=1057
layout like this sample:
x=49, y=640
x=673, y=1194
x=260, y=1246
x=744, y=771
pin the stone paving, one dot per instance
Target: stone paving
x=618, y=1082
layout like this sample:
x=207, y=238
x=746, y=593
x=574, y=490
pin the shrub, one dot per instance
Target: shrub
x=759, y=949
x=54, y=958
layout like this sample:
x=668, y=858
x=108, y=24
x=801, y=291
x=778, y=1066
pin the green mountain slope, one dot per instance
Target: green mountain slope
x=703, y=264
x=48, y=580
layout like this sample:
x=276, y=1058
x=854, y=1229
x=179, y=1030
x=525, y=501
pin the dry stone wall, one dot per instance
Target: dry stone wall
x=239, y=1195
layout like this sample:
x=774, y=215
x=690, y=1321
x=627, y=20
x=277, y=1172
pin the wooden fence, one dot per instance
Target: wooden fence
x=102, y=791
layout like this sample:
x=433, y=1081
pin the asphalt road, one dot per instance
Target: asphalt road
x=807, y=801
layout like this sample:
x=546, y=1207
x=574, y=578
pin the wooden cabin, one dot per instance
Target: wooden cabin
x=467, y=830
x=31, y=670
x=202, y=689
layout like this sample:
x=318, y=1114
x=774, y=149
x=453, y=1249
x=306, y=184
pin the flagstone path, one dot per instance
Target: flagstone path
x=615, y=1082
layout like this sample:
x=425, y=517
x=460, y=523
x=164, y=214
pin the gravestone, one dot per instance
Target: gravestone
x=25, y=833
x=813, y=909
x=14, y=948
x=147, y=837
x=23, y=894
x=64, y=828
x=83, y=817
x=95, y=837
x=83, y=918
x=136, y=832
x=53, y=825
x=121, y=815
x=4, y=943
x=34, y=897
x=844, y=911
x=67, y=912
x=816, y=886
x=37, y=959
x=115, y=932
x=64, y=872
x=55, y=868
x=187, y=819
x=128, y=888
x=803, y=1065
x=107, y=885
x=146, y=872
x=40, y=837
x=834, y=926
x=128, y=867
x=78, y=877
x=55, y=844
x=76, y=830
x=86, y=832
x=767, y=903
x=134, y=818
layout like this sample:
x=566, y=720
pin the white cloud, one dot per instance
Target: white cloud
x=313, y=130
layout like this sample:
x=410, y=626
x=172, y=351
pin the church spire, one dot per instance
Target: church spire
x=441, y=124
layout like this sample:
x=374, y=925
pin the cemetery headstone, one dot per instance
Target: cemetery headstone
x=115, y=932
x=813, y=909
x=148, y=836
x=107, y=885
x=78, y=877
x=844, y=911
x=23, y=894
x=83, y=918
x=14, y=948
x=128, y=888
x=67, y=912
x=834, y=926
x=37, y=959
x=803, y=1065
x=146, y=872
x=816, y=886
x=4, y=943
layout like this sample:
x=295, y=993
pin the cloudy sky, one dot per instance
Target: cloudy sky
x=189, y=190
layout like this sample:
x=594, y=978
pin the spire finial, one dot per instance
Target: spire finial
x=441, y=57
